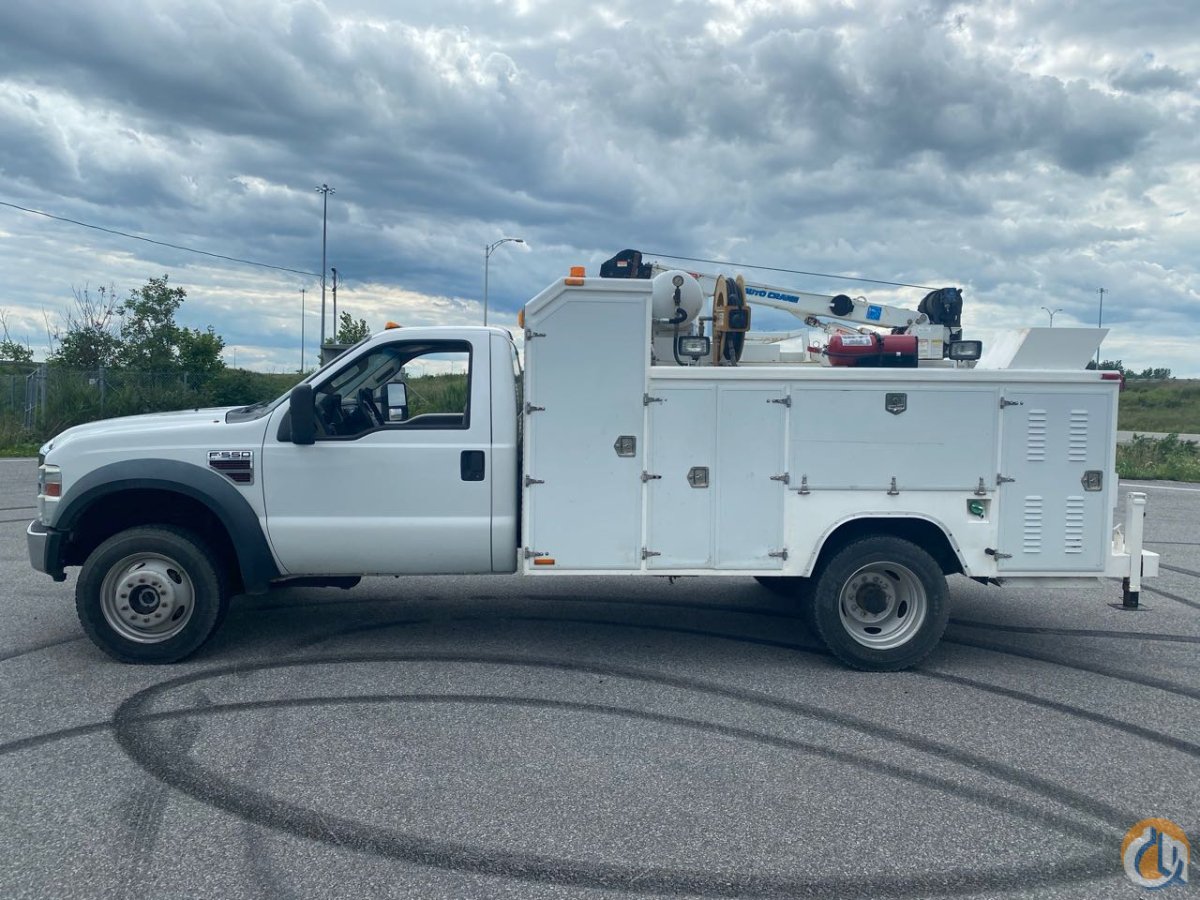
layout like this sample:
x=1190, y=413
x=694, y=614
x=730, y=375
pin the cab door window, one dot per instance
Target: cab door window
x=402, y=385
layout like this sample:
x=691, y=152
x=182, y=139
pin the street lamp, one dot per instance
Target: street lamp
x=325, y=190
x=1051, y=313
x=302, y=331
x=1100, y=321
x=487, y=255
x=333, y=270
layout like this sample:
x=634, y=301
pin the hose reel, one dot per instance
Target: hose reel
x=731, y=320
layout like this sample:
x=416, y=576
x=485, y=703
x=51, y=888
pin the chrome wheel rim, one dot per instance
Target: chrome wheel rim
x=147, y=598
x=883, y=605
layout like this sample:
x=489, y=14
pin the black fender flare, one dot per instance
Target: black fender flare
x=254, y=557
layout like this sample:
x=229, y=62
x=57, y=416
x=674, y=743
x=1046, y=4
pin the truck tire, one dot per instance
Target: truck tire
x=880, y=604
x=151, y=594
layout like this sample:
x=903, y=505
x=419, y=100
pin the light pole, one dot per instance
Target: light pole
x=334, y=292
x=487, y=255
x=1051, y=313
x=301, y=331
x=325, y=190
x=1100, y=322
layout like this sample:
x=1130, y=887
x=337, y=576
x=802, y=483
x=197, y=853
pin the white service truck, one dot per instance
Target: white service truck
x=628, y=446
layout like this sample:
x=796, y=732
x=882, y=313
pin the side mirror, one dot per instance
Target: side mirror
x=302, y=413
x=397, y=401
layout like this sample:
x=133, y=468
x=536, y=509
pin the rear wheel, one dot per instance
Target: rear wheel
x=150, y=594
x=880, y=604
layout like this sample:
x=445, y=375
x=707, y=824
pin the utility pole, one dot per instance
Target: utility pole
x=1100, y=321
x=301, y=330
x=335, y=318
x=325, y=190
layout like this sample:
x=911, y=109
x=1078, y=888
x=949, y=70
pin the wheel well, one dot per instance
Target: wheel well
x=925, y=534
x=116, y=512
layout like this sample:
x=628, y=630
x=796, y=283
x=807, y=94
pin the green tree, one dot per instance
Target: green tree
x=349, y=331
x=139, y=334
x=149, y=335
x=12, y=350
x=1152, y=374
x=200, y=351
x=88, y=338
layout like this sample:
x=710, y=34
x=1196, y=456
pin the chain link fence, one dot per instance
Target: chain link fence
x=40, y=400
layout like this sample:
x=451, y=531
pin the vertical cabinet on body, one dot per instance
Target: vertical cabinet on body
x=714, y=482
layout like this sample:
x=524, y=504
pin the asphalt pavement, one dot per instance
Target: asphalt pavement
x=500, y=737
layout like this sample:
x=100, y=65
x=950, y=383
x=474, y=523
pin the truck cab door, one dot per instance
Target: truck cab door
x=388, y=487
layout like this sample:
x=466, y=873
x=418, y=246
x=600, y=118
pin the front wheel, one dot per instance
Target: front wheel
x=150, y=595
x=880, y=604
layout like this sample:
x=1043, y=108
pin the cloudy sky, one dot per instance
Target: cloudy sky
x=1030, y=152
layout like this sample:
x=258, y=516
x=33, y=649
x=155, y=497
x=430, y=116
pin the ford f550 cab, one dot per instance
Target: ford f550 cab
x=628, y=446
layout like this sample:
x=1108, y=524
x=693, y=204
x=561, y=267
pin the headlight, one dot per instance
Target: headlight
x=49, y=482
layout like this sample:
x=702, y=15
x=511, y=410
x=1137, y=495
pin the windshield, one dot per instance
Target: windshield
x=266, y=407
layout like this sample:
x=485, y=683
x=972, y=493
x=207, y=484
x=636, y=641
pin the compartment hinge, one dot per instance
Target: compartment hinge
x=1004, y=403
x=1003, y=479
x=647, y=400
x=646, y=476
x=646, y=554
x=785, y=478
x=530, y=334
x=997, y=554
x=534, y=554
x=803, y=490
x=530, y=408
x=779, y=554
x=981, y=488
x=786, y=401
x=530, y=480
x=893, y=491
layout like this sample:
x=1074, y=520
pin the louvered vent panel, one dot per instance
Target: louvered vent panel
x=1077, y=441
x=1073, y=538
x=1035, y=440
x=239, y=471
x=1031, y=533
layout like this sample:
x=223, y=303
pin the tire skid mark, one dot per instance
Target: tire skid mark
x=272, y=812
x=1095, y=668
x=1159, y=592
x=1077, y=632
x=133, y=708
x=1068, y=709
x=1120, y=675
x=147, y=808
x=34, y=648
x=1179, y=569
x=268, y=883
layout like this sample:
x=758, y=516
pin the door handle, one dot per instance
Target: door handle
x=471, y=465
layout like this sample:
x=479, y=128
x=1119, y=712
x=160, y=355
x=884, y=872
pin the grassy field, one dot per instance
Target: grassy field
x=1162, y=406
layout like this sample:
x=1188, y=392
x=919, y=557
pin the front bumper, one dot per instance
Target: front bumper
x=44, y=549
